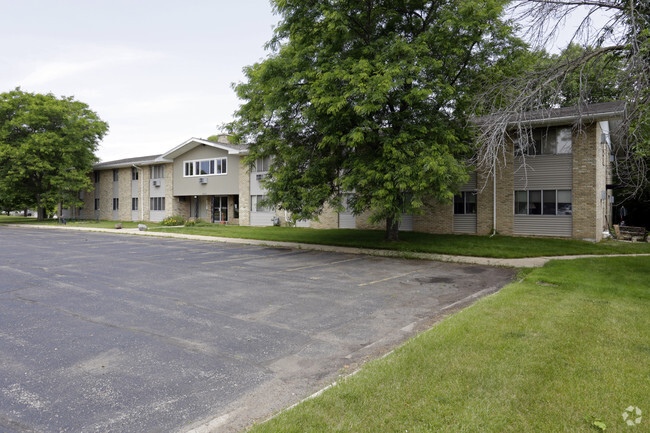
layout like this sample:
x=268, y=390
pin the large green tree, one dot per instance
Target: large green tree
x=368, y=98
x=47, y=148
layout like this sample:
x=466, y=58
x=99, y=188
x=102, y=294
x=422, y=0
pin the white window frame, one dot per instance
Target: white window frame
x=215, y=166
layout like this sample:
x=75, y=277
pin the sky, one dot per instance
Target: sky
x=159, y=72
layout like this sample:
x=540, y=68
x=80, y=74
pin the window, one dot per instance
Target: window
x=235, y=205
x=157, y=203
x=134, y=173
x=134, y=203
x=543, y=202
x=257, y=205
x=465, y=203
x=262, y=165
x=96, y=173
x=116, y=204
x=549, y=141
x=96, y=204
x=205, y=167
x=157, y=171
x=116, y=175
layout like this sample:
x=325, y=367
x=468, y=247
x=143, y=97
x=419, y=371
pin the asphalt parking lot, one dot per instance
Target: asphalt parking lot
x=102, y=332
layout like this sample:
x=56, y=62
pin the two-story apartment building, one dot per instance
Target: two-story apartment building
x=558, y=186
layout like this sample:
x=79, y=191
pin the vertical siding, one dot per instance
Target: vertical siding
x=347, y=220
x=544, y=225
x=262, y=218
x=406, y=224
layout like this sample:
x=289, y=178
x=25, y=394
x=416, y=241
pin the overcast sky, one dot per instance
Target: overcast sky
x=159, y=72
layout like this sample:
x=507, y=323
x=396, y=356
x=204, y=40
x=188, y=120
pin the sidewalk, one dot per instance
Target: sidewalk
x=527, y=262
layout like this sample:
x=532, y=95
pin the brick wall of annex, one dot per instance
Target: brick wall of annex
x=328, y=219
x=171, y=202
x=505, y=194
x=589, y=176
x=124, y=177
x=244, y=194
x=438, y=218
x=106, y=194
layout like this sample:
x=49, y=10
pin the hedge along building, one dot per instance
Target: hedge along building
x=556, y=187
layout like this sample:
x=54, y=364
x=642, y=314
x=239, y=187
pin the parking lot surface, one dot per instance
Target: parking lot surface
x=102, y=332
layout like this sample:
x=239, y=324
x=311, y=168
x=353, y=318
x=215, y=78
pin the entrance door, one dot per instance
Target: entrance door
x=219, y=209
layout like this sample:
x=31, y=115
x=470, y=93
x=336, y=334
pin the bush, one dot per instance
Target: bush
x=175, y=220
x=192, y=222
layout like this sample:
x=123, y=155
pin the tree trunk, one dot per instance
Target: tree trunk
x=392, y=229
x=40, y=209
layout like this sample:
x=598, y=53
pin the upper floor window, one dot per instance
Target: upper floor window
x=96, y=173
x=262, y=165
x=134, y=173
x=116, y=175
x=205, y=167
x=547, y=141
x=157, y=171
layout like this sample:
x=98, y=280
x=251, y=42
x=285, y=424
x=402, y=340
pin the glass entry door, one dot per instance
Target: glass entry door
x=219, y=209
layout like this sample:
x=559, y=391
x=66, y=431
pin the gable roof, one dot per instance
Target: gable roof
x=128, y=162
x=190, y=144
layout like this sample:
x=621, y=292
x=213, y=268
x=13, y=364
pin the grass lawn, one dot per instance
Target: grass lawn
x=566, y=347
x=465, y=245
x=72, y=223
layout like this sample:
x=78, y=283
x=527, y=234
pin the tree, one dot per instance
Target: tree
x=614, y=56
x=47, y=148
x=370, y=98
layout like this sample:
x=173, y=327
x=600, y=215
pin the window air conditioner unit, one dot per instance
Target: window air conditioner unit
x=203, y=180
x=156, y=182
x=259, y=176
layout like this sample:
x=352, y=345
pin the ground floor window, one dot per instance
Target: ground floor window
x=116, y=203
x=543, y=202
x=465, y=203
x=257, y=204
x=96, y=204
x=235, y=206
x=134, y=203
x=157, y=203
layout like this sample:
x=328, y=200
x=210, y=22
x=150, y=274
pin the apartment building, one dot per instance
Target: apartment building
x=558, y=186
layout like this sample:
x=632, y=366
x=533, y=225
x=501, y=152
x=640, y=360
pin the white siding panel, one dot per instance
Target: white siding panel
x=471, y=183
x=347, y=220
x=544, y=225
x=406, y=224
x=156, y=215
x=544, y=172
x=262, y=219
x=302, y=223
x=465, y=223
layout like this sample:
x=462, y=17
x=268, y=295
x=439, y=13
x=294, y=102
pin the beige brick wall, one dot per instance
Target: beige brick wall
x=106, y=194
x=589, y=176
x=484, y=204
x=244, y=194
x=124, y=177
x=328, y=219
x=170, y=201
x=505, y=193
x=144, y=204
x=437, y=218
x=364, y=224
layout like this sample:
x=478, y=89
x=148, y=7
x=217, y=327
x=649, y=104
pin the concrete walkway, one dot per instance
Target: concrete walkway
x=527, y=262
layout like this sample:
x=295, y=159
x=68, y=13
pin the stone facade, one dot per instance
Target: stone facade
x=328, y=219
x=244, y=194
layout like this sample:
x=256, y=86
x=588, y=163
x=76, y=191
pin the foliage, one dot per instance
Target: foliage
x=368, y=98
x=47, y=149
x=174, y=220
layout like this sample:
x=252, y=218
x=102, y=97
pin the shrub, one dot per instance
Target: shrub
x=175, y=220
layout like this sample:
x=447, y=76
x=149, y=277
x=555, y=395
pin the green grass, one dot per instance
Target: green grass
x=565, y=347
x=464, y=245
x=103, y=224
